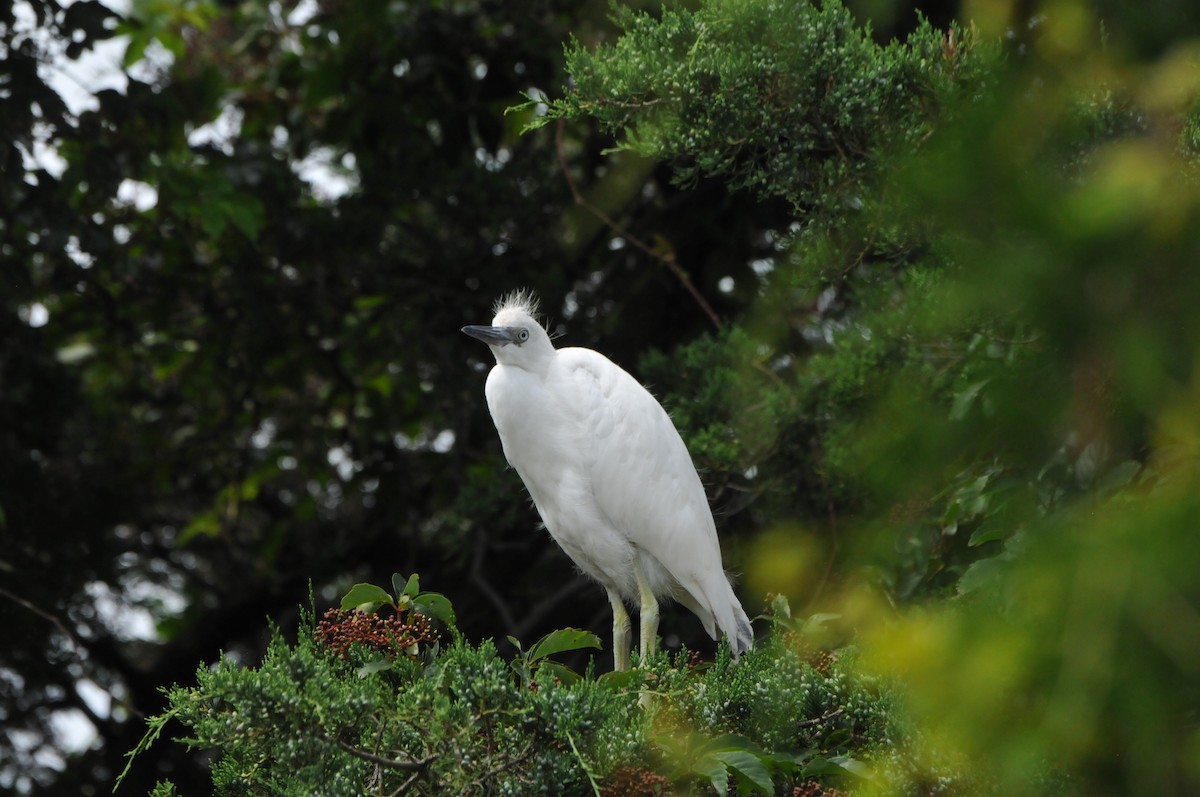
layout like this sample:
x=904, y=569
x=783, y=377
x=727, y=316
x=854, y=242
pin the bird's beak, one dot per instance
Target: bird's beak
x=492, y=336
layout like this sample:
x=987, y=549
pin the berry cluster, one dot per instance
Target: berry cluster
x=339, y=629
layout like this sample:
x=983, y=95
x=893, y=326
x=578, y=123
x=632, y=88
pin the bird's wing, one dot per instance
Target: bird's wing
x=645, y=485
x=642, y=476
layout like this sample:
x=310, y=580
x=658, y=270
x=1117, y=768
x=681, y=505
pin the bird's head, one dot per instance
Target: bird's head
x=515, y=336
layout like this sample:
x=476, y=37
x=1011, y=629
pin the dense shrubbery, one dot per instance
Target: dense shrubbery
x=789, y=99
x=320, y=718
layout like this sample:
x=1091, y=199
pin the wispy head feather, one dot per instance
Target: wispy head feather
x=522, y=299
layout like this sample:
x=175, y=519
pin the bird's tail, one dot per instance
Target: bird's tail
x=741, y=635
x=718, y=608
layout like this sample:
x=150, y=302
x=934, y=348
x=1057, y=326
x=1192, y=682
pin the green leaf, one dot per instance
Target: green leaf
x=369, y=302
x=1119, y=476
x=206, y=524
x=964, y=400
x=986, y=534
x=851, y=765
x=817, y=622
x=246, y=213
x=716, y=771
x=619, y=681
x=212, y=219
x=749, y=767
x=382, y=385
x=372, y=667
x=173, y=42
x=981, y=574
x=138, y=41
x=786, y=761
x=434, y=604
x=561, y=640
x=560, y=671
x=365, y=597
x=411, y=587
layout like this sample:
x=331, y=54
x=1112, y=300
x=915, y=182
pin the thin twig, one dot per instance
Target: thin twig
x=496, y=770
x=817, y=720
x=383, y=761
x=667, y=259
x=758, y=365
x=76, y=645
x=376, y=781
x=583, y=764
x=404, y=786
x=491, y=593
x=539, y=610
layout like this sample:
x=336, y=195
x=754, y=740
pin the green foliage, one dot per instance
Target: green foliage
x=406, y=633
x=716, y=759
x=788, y=697
x=537, y=658
x=790, y=99
x=308, y=720
x=744, y=418
x=901, y=348
x=987, y=360
x=408, y=597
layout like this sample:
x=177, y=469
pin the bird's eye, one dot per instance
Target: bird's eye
x=523, y=335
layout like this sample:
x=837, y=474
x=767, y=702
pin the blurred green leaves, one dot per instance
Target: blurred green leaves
x=164, y=22
x=1092, y=653
x=720, y=761
x=985, y=361
x=1060, y=652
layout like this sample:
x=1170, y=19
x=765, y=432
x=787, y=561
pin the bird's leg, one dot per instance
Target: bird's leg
x=648, y=613
x=622, y=632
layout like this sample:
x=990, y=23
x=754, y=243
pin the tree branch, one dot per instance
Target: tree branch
x=383, y=761
x=667, y=259
x=828, y=715
x=485, y=586
x=76, y=645
x=544, y=606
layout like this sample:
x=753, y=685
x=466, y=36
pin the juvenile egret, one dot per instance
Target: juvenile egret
x=610, y=477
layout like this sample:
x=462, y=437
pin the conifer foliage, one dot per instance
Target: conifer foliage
x=356, y=707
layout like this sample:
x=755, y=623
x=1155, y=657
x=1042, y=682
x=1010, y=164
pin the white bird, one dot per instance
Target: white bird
x=610, y=476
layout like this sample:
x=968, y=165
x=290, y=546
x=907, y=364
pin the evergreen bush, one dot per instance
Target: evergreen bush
x=320, y=718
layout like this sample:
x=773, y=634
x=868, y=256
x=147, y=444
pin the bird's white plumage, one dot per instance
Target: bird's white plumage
x=608, y=472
